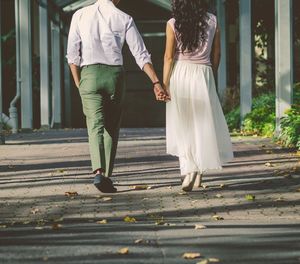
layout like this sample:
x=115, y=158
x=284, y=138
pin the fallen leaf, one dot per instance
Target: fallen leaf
x=58, y=219
x=60, y=171
x=213, y=260
x=103, y=222
x=138, y=241
x=217, y=217
x=190, y=255
x=268, y=164
x=56, y=226
x=182, y=193
x=160, y=222
x=279, y=199
x=204, y=186
x=26, y=222
x=139, y=187
x=106, y=199
x=169, y=224
x=150, y=187
x=194, y=201
x=71, y=194
x=170, y=187
x=39, y=228
x=123, y=251
x=204, y=261
x=3, y=226
x=298, y=190
x=129, y=219
x=34, y=210
x=222, y=185
x=250, y=197
x=199, y=226
x=219, y=195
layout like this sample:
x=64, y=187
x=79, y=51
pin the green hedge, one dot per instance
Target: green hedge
x=261, y=120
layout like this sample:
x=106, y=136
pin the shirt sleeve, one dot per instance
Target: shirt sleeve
x=74, y=43
x=137, y=45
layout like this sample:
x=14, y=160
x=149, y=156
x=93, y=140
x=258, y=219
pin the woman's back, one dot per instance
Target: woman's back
x=200, y=55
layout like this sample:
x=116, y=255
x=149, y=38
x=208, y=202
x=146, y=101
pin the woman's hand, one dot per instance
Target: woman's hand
x=167, y=91
x=160, y=93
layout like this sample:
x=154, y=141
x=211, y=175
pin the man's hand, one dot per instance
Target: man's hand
x=160, y=93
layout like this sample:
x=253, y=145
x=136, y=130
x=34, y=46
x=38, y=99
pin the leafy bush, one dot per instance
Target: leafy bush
x=233, y=119
x=261, y=120
x=289, y=135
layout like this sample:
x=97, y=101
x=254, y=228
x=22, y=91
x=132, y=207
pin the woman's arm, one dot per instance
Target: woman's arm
x=169, y=56
x=216, y=52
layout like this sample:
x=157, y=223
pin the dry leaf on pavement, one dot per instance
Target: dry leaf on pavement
x=218, y=195
x=269, y=164
x=71, y=194
x=250, y=197
x=129, y=219
x=204, y=261
x=123, y=251
x=34, y=210
x=139, y=187
x=217, y=217
x=139, y=241
x=56, y=226
x=213, y=260
x=199, y=226
x=191, y=255
x=106, y=199
x=102, y=222
x=3, y=226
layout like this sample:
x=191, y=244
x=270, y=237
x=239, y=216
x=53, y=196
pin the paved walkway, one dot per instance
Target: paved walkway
x=51, y=213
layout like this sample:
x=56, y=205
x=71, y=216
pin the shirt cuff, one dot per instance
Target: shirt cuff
x=141, y=62
x=71, y=60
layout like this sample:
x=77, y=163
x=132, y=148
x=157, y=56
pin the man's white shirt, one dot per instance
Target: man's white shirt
x=97, y=35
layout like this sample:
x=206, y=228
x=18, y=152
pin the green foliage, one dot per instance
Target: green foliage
x=290, y=124
x=261, y=120
x=290, y=128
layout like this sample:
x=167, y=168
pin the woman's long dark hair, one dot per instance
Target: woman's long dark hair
x=190, y=22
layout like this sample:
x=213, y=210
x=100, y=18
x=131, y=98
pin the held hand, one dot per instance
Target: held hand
x=160, y=93
x=167, y=91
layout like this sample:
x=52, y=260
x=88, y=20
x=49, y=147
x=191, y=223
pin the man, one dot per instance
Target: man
x=95, y=42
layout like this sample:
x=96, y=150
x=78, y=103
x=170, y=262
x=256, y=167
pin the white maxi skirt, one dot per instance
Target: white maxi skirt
x=196, y=130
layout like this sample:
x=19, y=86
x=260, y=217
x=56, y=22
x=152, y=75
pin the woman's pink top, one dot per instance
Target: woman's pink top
x=202, y=54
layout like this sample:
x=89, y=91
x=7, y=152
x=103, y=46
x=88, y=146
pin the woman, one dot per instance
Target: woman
x=195, y=125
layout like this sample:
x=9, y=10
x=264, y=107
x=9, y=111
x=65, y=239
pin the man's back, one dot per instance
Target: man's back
x=99, y=32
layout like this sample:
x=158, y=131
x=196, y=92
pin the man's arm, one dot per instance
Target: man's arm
x=75, y=70
x=158, y=90
x=73, y=49
x=143, y=58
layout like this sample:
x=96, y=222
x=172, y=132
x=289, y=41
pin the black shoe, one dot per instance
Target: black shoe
x=104, y=184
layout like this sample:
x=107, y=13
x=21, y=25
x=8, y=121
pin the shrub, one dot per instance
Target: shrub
x=289, y=135
x=261, y=120
x=233, y=119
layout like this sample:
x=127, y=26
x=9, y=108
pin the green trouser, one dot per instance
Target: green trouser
x=102, y=91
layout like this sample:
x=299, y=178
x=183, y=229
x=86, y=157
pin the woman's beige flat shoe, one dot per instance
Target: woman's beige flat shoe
x=188, y=182
x=198, y=180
